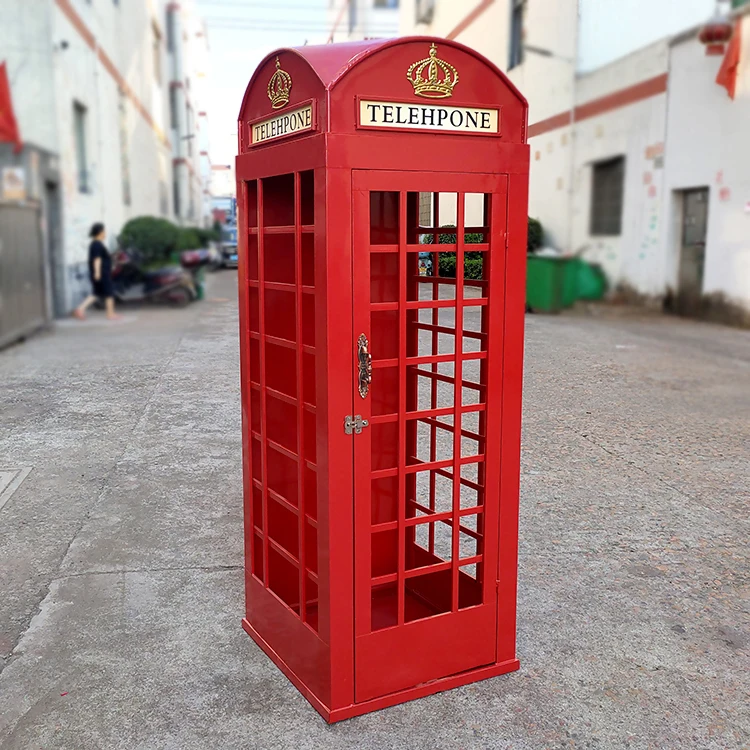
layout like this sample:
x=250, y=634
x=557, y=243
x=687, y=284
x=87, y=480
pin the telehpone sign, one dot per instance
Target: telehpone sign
x=418, y=116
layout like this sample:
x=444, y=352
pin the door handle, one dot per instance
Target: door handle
x=364, y=362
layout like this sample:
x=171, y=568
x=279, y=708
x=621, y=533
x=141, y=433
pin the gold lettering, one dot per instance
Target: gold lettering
x=404, y=115
x=276, y=127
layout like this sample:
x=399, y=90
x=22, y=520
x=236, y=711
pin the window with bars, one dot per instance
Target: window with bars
x=607, y=183
x=80, y=118
x=124, y=149
x=176, y=196
x=171, y=30
x=425, y=10
x=517, y=18
x=173, y=117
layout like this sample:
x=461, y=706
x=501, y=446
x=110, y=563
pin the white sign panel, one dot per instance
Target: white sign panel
x=289, y=123
x=14, y=184
x=413, y=116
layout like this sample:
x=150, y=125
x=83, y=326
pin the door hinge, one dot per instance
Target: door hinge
x=354, y=424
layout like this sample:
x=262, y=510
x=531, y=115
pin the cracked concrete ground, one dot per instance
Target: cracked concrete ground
x=121, y=551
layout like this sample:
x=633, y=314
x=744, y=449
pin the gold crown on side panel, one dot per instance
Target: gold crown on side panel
x=279, y=87
x=432, y=77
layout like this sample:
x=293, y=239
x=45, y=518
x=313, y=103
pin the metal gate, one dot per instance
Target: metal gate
x=23, y=301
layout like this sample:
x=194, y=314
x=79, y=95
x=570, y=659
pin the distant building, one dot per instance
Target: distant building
x=222, y=180
x=640, y=163
x=109, y=93
x=362, y=19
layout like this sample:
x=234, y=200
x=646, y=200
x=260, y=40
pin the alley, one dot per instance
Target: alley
x=121, y=546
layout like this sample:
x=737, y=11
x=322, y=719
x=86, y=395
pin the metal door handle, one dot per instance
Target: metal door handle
x=364, y=360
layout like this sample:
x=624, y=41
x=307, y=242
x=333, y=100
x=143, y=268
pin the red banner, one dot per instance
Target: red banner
x=8, y=125
x=727, y=76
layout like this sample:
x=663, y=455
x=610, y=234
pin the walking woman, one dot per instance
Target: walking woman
x=100, y=273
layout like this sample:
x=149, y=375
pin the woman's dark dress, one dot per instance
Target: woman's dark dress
x=103, y=287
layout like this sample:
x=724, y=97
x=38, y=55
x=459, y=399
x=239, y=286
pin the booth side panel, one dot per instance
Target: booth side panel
x=281, y=357
x=515, y=305
x=337, y=513
x=290, y=644
x=247, y=475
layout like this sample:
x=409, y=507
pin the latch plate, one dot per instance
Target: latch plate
x=354, y=424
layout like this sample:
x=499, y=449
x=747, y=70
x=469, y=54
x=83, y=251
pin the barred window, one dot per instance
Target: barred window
x=608, y=178
x=518, y=13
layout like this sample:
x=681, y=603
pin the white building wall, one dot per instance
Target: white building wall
x=79, y=79
x=635, y=131
x=104, y=61
x=546, y=82
x=708, y=146
x=28, y=47
x=703, y=143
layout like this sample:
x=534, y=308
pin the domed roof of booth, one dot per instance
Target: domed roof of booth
x=331, y=62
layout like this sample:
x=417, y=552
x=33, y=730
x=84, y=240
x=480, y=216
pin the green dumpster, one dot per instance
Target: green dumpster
x=550, y=283
x=591, y=281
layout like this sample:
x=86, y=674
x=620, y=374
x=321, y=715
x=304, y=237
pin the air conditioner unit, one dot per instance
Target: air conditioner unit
x=425, y=11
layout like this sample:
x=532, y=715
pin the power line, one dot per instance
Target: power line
x=247, y=23
x=261, y=6
x=303, y=30
x=299, y=29
x=303, y=27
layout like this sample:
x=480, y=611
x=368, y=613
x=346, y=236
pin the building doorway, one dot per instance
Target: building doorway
x=53, y=238
x=692, y=250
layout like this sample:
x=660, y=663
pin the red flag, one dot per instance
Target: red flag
x=8, y=125
x=727, y=76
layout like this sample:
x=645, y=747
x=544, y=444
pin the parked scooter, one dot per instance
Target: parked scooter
x=172, y=284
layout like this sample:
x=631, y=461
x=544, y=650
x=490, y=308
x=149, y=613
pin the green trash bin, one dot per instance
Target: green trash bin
x=200, y=284
x=592, y=282
x=550, y=283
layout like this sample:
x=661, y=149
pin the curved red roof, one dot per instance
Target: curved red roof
x=331, y=62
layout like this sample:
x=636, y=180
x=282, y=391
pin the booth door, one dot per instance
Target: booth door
x=429, y=275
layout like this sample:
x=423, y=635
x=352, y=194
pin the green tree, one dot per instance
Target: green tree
x=447, y=261
x=155, y=239
x=535, y=235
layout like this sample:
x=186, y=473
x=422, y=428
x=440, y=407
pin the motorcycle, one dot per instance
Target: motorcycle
x=173, y=285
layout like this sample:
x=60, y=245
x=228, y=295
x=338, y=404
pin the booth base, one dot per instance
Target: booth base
x=357, y=709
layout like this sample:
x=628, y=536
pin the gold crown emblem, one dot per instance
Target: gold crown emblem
x=432, y=77
x=279, y=87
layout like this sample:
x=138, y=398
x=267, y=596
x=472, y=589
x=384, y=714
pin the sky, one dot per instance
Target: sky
x=240, y=34
x=603, y=39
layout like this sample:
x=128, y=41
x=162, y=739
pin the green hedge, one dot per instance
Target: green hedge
x=447, y=261
x=157, y=240
x=534, y=236
x=473, y=260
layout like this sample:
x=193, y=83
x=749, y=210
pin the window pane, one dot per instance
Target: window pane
x=607, y=196
x=79, y=124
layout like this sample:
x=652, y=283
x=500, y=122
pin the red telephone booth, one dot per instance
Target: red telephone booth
x=382, y=196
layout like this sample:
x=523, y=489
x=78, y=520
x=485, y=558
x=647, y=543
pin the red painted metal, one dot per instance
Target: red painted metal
x=381, y=565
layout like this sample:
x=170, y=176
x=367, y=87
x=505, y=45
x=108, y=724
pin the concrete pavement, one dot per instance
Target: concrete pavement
x=121, y=550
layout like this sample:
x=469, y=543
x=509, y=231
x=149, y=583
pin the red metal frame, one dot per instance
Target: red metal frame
x=381, y=566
